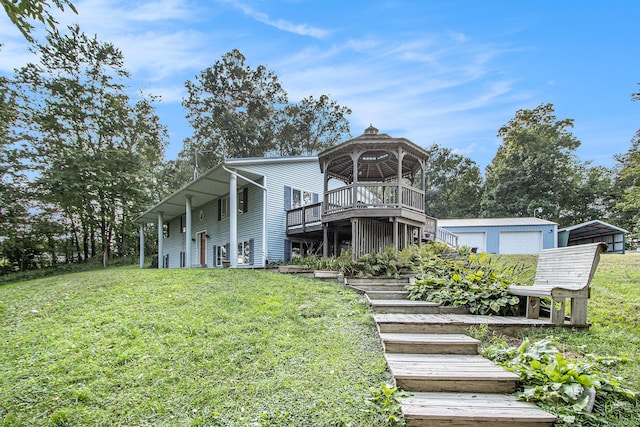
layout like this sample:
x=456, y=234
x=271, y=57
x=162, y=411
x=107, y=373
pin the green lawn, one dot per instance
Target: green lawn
x=614, y=315
x=186, y=347
x=133, y=347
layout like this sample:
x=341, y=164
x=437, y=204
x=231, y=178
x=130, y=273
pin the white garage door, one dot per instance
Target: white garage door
x=474, y=240
x=520, y=242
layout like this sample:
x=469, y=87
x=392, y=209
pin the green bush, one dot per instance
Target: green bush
x=473, y=282
x=575, y=391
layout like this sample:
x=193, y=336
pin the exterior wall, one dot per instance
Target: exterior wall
x=549, y=233
x=278, y=175
x=304, y=175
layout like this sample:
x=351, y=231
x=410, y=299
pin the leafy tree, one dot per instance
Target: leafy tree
x=231, y=108
x=628, y=185
x=95, y=153
x=239, y=111
x=311, y=126
x=453, y=184
x=20, y=12
x=535, y=167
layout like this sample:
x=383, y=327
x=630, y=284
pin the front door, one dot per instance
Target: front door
x=203, y=248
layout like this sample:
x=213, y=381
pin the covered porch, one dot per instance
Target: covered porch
x=192, y=204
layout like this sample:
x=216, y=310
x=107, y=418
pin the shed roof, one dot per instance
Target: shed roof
x=492, y=222
x=593, y=228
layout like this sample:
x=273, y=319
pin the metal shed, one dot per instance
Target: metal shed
x=503, y=235
x=592, y=232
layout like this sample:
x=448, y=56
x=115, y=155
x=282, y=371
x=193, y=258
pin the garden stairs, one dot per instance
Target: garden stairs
x=431, y=357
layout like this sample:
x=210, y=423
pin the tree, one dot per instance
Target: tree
x=628, y=185
x=311, y=126
x=20, y=12
x=535, y=167
x=94, y=152
x=239, y=111
x=453, y=184
x=231, y=108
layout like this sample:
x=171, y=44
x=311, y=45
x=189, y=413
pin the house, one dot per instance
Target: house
x=592, y=232
x=364, y=194
x=503, y=235
x=234, y=214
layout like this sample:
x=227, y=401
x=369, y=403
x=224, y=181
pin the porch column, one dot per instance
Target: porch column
x=399, y=200
x=187, y=240
x=354, y=181
x=233, y=220
x=325, y=241
x=141, y=246
x=395, y=233
x=160, y=249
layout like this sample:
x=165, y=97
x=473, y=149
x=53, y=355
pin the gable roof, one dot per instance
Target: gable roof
x=212, y=185
x=492, y=222
x=592, y=229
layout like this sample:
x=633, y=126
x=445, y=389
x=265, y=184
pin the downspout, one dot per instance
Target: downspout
x=264, y=212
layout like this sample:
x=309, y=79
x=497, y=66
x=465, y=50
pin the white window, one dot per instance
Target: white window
x=221, y=255
x=244, y=252
x=300, y=198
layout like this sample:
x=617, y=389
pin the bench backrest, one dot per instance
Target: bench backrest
x=571, y=267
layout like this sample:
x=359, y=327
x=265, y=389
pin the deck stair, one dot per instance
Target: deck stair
x=431, y=357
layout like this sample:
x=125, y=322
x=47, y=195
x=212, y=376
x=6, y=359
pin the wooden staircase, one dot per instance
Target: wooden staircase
x=430, y=356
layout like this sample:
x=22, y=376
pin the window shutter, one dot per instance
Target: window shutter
x=215, y=256
x=245, y=199
x=227, y=253
x=287, y=198
x=251, y=251
x=287, y=250
x=219, y=209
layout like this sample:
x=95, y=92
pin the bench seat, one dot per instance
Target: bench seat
x=561, y=274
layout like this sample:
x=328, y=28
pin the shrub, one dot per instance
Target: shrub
x=576, y=392
x=472, y=282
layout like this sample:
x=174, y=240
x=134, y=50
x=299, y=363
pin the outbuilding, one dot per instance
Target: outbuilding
x=592, y=232
x=503, y=235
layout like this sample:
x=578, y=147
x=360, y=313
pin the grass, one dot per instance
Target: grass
x=124, y=346
x=614, y=315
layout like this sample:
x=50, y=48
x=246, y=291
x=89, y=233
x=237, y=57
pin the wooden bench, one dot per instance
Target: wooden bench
x=562, y=273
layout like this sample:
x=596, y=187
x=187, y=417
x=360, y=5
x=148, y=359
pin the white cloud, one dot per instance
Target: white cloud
x=280, y=24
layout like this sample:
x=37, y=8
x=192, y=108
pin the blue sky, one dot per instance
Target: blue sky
x=446, y=72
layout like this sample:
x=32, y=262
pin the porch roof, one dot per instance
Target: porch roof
x=209, y=186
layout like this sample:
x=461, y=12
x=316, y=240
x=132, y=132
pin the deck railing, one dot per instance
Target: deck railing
x=445, y=236
x=373, y=195
x=305, y=216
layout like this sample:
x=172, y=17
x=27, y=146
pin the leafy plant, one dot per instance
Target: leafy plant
x=570, y=389
x=473, y=282
x=385, y=399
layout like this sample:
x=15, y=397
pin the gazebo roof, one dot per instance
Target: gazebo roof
x=377, y=157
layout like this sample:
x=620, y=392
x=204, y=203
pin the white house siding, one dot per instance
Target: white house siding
x=302, y=174
x=174, y=244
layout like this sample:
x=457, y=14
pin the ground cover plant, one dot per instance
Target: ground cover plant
x=472, y=281
x=604, y=356
x=193, y=347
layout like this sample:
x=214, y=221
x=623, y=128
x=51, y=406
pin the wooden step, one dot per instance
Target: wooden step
x=353, y=281
x=453, y=323
x=377, y=287
x=429, y=343
x=387, y=294
x=449, y=373
x=403, y=306
x=467, y=409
